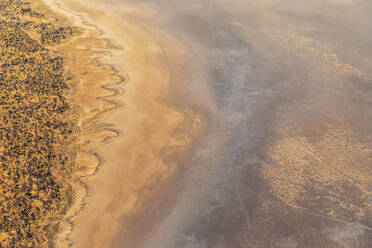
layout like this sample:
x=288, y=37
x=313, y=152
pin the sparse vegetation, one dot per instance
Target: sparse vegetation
x=35, y=127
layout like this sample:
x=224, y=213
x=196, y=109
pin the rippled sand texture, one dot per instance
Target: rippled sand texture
x=331, y=170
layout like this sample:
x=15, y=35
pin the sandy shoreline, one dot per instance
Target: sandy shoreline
x=126, y=121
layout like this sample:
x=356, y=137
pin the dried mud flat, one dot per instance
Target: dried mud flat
x=283, y=158
x=136, y=123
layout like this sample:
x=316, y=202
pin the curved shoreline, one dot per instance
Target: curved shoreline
x=145, y=97
x=81, y=188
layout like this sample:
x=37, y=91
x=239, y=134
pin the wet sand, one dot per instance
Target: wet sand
x=244, y=124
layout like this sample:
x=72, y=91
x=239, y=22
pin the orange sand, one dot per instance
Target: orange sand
x=131, y=139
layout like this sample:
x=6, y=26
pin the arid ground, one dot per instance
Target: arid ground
x=210, y=124
x=246, y=124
